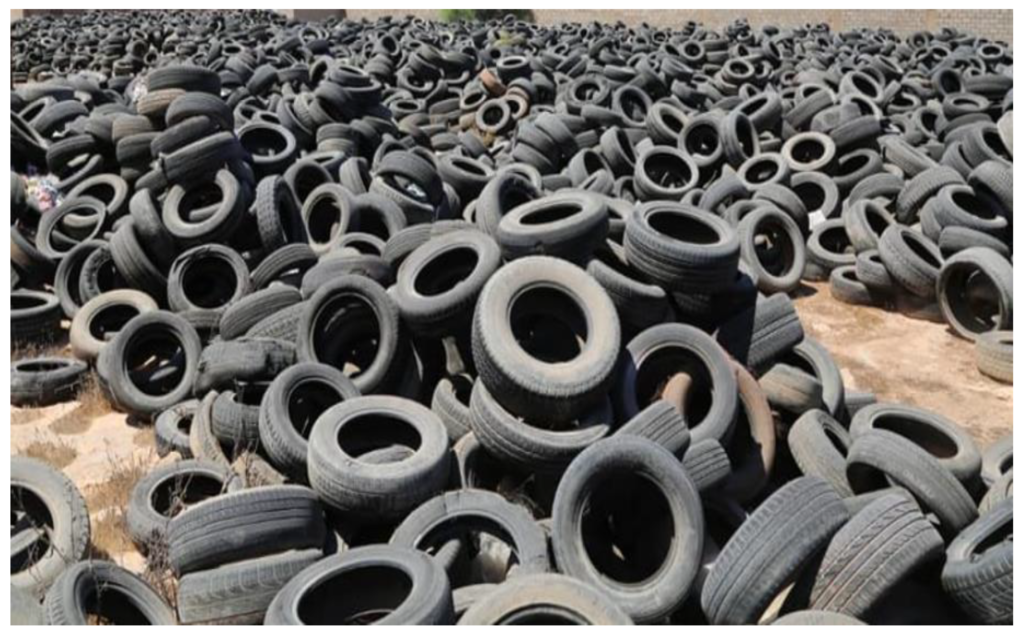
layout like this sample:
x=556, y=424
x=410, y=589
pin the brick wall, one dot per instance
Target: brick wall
x=992, y=24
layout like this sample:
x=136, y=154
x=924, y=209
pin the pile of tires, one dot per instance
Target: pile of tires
x=490, y=323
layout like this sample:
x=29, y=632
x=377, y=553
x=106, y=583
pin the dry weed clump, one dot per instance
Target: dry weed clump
x=90, y=404
x=56, y=452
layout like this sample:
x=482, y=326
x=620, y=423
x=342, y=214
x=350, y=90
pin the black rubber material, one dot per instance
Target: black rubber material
x=397, y=585
x=626, y=459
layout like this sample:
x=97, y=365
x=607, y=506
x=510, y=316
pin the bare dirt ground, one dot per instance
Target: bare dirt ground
x=909, y=361
x=898, y=358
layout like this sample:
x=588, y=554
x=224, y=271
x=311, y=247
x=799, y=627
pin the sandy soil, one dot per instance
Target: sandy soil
x=898, y=358
x=909, y=361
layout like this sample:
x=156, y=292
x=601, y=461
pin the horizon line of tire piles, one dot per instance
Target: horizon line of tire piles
x=489, y=323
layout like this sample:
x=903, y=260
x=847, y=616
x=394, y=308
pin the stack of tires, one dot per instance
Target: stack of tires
x=490, y=323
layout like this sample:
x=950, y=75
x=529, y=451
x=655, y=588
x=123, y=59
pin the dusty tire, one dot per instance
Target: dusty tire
x=621, y=459
x=880, y=545
x=425, y=597
x=44, y=501
x=979, y=567
x=290, y=518
x=792, y=525
x=76, y=597
x=538, y=385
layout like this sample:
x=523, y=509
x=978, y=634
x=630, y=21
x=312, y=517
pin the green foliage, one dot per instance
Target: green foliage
x=482, y=15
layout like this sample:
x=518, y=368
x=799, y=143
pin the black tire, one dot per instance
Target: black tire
x=829, y=247
x=102, y=592
x=184, y=76
x=239, y=593
x=526, y=445
x=461, y=515
x=438, y=284
x=810, y=151
x=245, y=313
x=660, y=242
x=196, y=104
x=762, y=333
x=881, y=458
x=399, y=246
x=202, y=443
x=289, y=517
x=883, y=543
x=319, y=338
x=912, y=260
x=450, y=402
x=1000, y=491
x=224, y=217
x=172, y=429
x=819, y=444
x=104, y=315
x=397, y=586
x=208, y=277
x=639, y=303
x=135, y=264
x=871, y=272
x=921, y=188
x=815, y=359
x=195, y=162
x=865, y=221
x=791, y=390
x=780, y=268
x=287, y=265
x=35, y=317
x=164, y=493
x=969, y=311
x=978, y=573
x=377, y=491
x=767, y=551
x=661, y=351
x=569, y=224
x=947, y=442
x=505, y=191
x=149, y=227
x=707, y=464
x=247, y=359
x=534, y=383
x=997, y=459
x=234, y=422
x=291, y=405
x=664, y=173
x=49, y=524
x=845, y=286
x=662, y=424
x=667, y=579
x=69, y=273
x=153, y=328
x=282, y=324
x=994, y=355
x=278, y=218
x=44, y=381
x=545, y=599
x=345, y=262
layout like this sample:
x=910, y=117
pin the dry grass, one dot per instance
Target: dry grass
x=108, y=502
x=56, y=452
x=28, y=351
x=91, y=403
x=145, y=438
x=21, y=416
